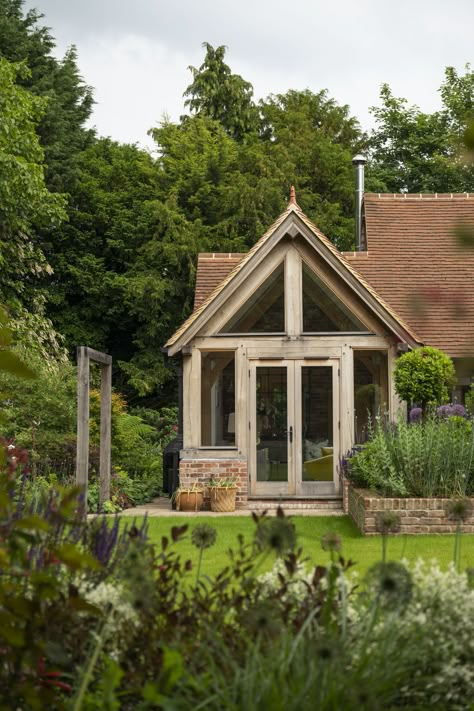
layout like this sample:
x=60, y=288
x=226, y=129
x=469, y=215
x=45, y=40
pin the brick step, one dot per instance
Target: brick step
x=321, y=504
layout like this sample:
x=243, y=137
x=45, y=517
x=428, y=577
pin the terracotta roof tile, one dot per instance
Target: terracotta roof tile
x=216, y=270
x=211, y=270
x=415, y=263
x=235, y=269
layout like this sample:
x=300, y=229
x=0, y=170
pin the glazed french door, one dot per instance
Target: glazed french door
x=294, y=427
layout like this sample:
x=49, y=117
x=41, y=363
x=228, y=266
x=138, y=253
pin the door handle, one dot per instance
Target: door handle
x=291, y=435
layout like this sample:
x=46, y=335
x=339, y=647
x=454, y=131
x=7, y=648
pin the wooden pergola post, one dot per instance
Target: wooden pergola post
x=84, y=356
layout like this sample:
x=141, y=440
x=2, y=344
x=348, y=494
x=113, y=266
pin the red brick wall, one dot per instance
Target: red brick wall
x=416, y=515
x=201, y=470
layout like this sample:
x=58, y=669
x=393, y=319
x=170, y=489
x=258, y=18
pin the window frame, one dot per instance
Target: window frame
x=303, y=263
x=210, y=447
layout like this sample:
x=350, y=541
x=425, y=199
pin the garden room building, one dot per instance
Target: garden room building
x=287, y=356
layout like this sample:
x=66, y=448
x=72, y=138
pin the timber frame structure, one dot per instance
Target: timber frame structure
x=282, y=362
x=84, y=357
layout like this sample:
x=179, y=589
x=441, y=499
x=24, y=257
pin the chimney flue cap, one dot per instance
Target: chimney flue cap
x=359, y=159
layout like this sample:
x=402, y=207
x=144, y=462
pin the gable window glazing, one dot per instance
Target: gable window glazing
x=264, y=310
x=323, y=311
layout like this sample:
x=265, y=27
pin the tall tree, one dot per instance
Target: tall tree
x=414, y=151
x=91, y=255
x=25, y=201
x=313, y=140
x=62, y=126
x=220, y=95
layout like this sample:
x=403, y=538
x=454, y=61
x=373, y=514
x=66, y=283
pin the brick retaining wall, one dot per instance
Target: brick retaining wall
x=200, y=471
x=416, y=515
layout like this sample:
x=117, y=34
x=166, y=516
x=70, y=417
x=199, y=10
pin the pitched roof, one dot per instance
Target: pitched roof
x=211, y=270
x=235, y=270
x=416, y=263
x=209, y=284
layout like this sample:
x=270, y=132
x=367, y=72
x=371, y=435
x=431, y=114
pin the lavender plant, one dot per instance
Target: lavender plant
x=430, y=458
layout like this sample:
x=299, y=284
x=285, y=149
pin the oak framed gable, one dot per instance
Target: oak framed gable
x=293, y=234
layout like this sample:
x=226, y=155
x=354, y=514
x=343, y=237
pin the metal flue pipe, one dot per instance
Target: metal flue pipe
x=359, y=161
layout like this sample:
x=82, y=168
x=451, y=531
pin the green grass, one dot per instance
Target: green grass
x=363, y=550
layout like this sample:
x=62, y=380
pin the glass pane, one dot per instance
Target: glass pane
x=272, y=423
x=218, y=399
x=370, y=389
x=322, y=310
x=317, y=423
x=264, y=312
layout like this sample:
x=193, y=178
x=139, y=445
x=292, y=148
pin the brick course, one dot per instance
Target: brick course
x=263, y=504
x=417, y=516
x=192, y=471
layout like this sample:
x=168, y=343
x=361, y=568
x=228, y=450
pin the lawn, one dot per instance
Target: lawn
x=363, y=550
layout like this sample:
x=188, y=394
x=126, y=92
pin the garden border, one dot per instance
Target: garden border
x=417, y=515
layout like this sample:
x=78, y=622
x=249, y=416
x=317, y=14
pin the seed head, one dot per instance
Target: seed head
x=331, y=542
x=277, y=534
x=390, y=583
x=459, y=510
x=203, y=536
x=388, y=522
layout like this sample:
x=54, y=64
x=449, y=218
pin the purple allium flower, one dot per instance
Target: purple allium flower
x=444, y=411
x=451, y=411
x=416, y=414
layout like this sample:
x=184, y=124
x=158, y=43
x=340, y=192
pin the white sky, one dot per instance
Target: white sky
x=135, y=53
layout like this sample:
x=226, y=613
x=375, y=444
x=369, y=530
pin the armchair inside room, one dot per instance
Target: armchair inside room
x=320, y=469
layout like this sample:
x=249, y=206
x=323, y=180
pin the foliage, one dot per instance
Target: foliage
x=125, y=491
x=45, y=559
x=431, y=458
x=413, y=151
x=93, y=615
x=469, y=399
x=123, y=263
x=91, y=255
x=25, y=201
x=423, y=376
x=221, y=95
x=24, y=197
x=40, y=414
x=312, y=139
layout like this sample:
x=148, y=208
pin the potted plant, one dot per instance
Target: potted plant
x=222, y=493
x=189, y=498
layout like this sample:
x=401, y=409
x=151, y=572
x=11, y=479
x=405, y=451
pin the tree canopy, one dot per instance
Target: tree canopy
x=220, y=95
x=414, y=151
x=102, y=238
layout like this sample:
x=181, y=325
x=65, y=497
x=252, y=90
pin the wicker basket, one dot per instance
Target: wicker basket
x=189, y=500
x=222, y=498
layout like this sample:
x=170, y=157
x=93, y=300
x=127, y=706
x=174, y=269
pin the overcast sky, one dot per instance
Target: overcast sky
x=135, y=53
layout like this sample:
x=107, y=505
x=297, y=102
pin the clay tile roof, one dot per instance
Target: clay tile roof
x=415, y=262
x=235, y=269
x=216, y=270
x=211, y=270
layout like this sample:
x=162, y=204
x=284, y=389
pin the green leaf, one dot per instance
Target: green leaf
x=33, y=522
x=12, y=634
x=10, y=363
x=74, y=558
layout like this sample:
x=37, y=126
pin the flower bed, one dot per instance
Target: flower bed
x=417, y=515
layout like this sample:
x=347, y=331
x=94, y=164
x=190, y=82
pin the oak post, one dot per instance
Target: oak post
x=84, y=356
x=105, y=431
x=82, y=451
